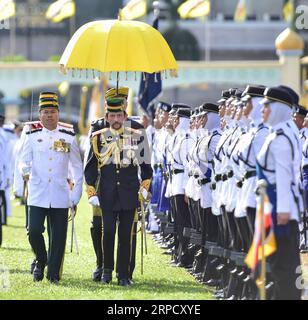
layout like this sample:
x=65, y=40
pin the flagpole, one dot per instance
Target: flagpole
x=207, y=51
x=262, y=184
x=12, y=36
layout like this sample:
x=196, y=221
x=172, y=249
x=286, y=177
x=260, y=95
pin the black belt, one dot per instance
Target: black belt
x=204, y=181
x=176, y=171
x=224, y=177
x=239, y=183
x=230, y=174
x=217, y=177
x=250, y=174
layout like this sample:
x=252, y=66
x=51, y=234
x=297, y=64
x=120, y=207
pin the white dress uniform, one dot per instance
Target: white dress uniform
x=183, y=143
x=192, y=170
x=280, y=158
x=3, y=160
x=250, y=145
x=18, y=182
x=49, y=154
x=206, y=152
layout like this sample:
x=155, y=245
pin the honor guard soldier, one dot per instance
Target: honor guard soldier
x=96, y=226
x=117, y=159
x=279, y=164
x=46, y=156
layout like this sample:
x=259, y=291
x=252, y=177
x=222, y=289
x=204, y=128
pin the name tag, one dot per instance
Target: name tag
x=61, y=146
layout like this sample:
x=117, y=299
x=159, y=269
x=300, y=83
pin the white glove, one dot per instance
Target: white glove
x=94, y=201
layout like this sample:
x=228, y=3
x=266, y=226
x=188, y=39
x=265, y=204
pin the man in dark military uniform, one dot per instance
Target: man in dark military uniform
x=118, y=159
x=46, y=156
x=96, y=225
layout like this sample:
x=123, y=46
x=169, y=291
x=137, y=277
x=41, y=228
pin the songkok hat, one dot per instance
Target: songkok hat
x=164, y=106
x=115, y=104
x=277, y=94
x=183, y=113
x=208, y=107
x=301, y=110
x=225, y=95
x=48, y=99
x=121, y=92
x=252, y=91
x=292, y=93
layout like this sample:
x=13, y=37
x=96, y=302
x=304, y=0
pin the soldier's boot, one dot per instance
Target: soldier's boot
x=107, y=276
x=38, y=271
x=96, y=235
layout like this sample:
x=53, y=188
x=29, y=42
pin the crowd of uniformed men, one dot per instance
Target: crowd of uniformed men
x=199, y=168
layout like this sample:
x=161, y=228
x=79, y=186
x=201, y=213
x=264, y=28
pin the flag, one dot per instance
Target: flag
x=134, y=9
x=151, y=84
x=60, y=10
x=7, y=9
x=240, y=13
x=194, y=9
x=254, y=256
x=288, y=10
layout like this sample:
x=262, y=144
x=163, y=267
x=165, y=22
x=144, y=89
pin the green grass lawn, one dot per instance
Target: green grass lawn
x=159, y=281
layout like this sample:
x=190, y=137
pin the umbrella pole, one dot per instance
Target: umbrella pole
x=117, y=82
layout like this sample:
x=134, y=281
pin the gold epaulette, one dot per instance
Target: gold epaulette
x=99, y=132
x=65, y=125
x=135, y=131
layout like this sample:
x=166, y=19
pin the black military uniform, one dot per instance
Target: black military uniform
x=115, y=158
x=96, y=225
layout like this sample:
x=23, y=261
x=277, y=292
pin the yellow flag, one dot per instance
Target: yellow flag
x=288, y=10
x=7, y=9
x=194, y=9
x=60, y=10
x=134, y=9
x=240, y=13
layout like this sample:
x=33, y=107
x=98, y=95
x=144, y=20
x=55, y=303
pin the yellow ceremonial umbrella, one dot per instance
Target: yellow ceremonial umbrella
x=118, y=46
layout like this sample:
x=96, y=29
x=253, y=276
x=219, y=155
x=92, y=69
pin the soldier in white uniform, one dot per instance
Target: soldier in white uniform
x=3, y=173
x=279, y=164
x=46, y=156
x=182, y=142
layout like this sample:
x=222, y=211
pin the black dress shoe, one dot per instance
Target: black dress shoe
x=212, y=283
x=97, y=274
x=38, y=272
x=123, y=282
x=106, y=278
x=54, y=281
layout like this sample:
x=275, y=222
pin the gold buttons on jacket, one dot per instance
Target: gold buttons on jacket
x=118, y=183
x=50, y=159
x=118, y=171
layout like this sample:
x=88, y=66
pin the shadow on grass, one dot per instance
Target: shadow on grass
x=15, y=249
x=148, y=285
x=20, y=271
x=15, y=226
